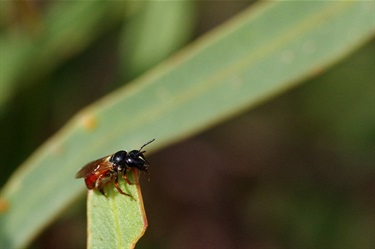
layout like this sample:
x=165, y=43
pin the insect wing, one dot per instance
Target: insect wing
x=95, y=167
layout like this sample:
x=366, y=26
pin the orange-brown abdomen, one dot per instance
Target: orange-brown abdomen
x=90, y=181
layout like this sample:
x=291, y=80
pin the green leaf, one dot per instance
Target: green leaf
x=154, y=33
x=116, y=221
x=259, y=54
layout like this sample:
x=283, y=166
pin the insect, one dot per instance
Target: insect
x=102, y=171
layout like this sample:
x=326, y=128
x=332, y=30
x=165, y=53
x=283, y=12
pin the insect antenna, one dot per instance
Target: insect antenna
x=140, y=150
x=145, y=145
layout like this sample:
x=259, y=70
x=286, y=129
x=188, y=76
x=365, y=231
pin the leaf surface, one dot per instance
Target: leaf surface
x=116, y=221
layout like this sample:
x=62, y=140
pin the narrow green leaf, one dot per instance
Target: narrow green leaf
x=116, y=221
x=263, y=52
x=154, y=33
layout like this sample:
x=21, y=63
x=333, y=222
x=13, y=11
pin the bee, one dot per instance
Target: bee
x=104, y=170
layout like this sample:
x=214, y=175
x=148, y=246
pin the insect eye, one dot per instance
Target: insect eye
x=136, y=159
x=133, y=159
x=134, y=153
x=118, y=157
x=133, y=162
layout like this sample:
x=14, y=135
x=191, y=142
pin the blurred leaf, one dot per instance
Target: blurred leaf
x=158, y=29
x=259, y=54
x=64, y=31
x=345, y=110
x=117, y=221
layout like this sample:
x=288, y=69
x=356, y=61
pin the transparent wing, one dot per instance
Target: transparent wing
x=95, y=167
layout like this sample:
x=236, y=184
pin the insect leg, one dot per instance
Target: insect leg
x=102, y=179
x=119, y=189
x=101, y=190
x=127, y=179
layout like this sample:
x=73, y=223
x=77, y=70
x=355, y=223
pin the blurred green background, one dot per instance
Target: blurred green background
x=296, y=172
